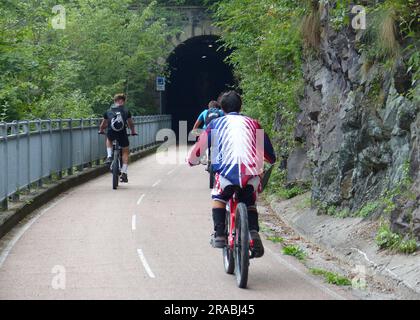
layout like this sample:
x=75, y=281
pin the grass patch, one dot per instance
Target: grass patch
x=276, y=239
x=345, y=213
x=388, y=33
x=278, y=186
x=386, y=239
x=311, y=27
x=367, y=210
x=289, y=193
x=265, y=229
x=294, y=251
x=331, y=278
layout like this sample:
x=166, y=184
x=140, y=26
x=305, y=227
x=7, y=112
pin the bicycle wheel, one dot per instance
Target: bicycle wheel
x=115, y=170
x=228, y=261
x=241, y=246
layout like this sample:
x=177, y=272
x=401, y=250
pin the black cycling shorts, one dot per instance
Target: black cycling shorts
x=121, y=137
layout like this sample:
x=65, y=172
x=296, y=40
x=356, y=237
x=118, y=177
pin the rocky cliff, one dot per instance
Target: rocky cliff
x=358, y=127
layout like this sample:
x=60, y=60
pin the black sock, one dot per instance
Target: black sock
x=253, y=220
x=219, y=219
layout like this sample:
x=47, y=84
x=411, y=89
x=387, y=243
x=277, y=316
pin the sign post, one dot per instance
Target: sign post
x=161, y=87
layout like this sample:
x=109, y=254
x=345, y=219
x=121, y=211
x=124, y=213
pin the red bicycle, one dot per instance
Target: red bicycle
x=239, y=248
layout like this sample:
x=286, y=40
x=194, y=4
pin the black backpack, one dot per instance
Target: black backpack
x=212, y=114
x=117, y=118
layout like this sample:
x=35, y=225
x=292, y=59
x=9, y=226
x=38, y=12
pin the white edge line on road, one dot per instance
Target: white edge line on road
x=21, y=231
x=156, y=183
x=170, y=172
x=306, y=277
x=140, y=199
x=134, y=223
x=145, y=264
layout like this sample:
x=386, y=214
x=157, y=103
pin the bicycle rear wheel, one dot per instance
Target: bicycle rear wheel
x=115, y=170
x=228, y=260
x=241, y=246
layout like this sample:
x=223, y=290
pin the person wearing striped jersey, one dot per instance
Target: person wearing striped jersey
x=239, y=149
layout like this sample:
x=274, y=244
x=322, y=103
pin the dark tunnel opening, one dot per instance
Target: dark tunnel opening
x=198, y=75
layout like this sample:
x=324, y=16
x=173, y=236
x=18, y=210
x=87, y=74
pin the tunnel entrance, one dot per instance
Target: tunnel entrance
x=198, y=75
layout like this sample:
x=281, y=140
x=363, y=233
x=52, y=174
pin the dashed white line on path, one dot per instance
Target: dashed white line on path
x=145, y=264
x=170, y=172
x=140, y=199
x=134, y=223
x=156, y=183
x=23, y=229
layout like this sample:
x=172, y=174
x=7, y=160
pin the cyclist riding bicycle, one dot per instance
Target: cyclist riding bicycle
x=238, y=152
x=212, y=112
x=116, y=120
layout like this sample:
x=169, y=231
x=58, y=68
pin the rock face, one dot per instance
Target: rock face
x=298, y=166
x=359, y=127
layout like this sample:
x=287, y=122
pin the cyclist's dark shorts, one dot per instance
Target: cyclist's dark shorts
x=121, y=137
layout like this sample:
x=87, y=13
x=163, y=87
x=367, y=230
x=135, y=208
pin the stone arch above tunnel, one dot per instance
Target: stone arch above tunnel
x=197, y=22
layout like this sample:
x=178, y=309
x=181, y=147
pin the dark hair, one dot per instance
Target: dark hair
x=120, y=96
x=213, y=104
x=231, y=102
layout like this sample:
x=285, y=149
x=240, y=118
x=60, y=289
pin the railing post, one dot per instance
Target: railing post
x=82, y=149
x=28, y=158
x=5, y=202
x=60, y=127
x=70, y=170
x=90, y=144
x=98, y=139
x=17, y=132
x=42, y=153
x=50, y=175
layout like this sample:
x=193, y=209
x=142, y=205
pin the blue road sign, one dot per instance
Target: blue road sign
x=160, y=83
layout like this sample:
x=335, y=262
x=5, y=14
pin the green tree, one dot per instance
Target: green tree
x=106, y=47
x=264, y=35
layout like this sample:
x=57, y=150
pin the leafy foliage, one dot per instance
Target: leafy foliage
x=278, y=186
x=368, y=209
x=331, y=278
x=294, y=251
x=386, y=239
x=276, y=239
x=265, y=36
x=105, y=48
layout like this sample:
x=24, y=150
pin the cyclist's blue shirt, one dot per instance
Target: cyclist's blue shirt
x=203, y=115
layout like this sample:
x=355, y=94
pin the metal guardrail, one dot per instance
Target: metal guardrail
x=34, y=151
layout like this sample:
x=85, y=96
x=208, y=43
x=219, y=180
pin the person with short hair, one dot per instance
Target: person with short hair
x=212, y=112
x=238, y=161
x=116, y=120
